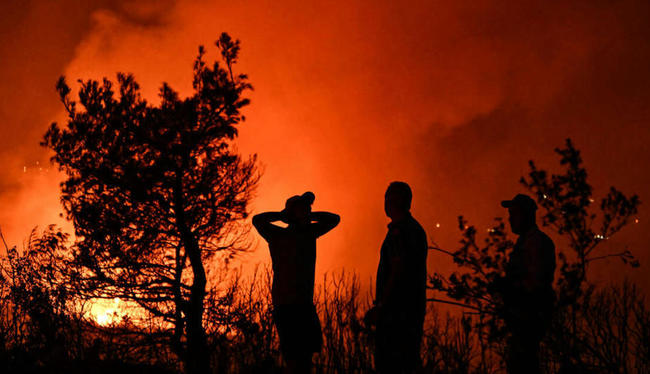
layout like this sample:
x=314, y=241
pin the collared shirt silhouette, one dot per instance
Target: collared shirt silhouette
x=531, y=267
x=403, y=257
x=293, y=256
x=400, y=302
x=527, y=288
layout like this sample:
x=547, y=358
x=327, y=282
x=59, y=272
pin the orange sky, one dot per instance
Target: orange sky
x=453, y=99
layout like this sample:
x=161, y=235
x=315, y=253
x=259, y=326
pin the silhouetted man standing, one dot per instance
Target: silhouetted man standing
x=528, y=287
x=293, y=255
x=400, y=302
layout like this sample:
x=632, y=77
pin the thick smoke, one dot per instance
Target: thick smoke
x=453, y=99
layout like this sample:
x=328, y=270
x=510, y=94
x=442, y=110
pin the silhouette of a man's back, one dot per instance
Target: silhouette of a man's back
x=293, y=256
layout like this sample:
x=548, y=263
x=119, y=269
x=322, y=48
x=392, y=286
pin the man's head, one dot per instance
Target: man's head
x=521, y=210
x=298, y=208
x=397, y=200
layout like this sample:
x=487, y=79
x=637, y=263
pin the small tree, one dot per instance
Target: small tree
x=154, y=191
x=567, y=208
x=473, y=288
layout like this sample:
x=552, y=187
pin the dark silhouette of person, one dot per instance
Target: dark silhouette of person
x=527, y=287
x=293, y=257
x=400, y=302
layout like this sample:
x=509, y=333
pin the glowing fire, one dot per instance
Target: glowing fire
x=107, y=312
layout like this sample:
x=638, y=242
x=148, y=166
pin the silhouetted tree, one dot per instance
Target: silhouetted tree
x=474, y=288
x=154, y=191
x=567, y=207
x=567, y=203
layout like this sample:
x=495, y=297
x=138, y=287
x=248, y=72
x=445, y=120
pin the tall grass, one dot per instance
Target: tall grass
x=45, y=330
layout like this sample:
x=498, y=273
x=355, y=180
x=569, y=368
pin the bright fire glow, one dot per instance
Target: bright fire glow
x=107, y=312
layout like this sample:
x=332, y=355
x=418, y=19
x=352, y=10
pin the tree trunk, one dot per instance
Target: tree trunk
x=197, y=359
x=179, y=305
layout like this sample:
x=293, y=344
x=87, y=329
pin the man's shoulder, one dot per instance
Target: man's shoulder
x=413, y=223
x=543, y=235
x=414, y=226
x=539, y=237
x=417, y=231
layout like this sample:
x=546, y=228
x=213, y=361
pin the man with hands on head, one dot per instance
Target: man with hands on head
x=293, y=257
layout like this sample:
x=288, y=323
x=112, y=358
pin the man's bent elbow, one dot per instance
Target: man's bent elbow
x=257, y=221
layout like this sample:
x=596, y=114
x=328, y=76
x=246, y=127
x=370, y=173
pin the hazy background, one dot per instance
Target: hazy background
x=453, y=99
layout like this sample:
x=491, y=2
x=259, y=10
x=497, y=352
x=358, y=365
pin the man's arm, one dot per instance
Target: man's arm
x=537, y=265
x=323, y=222
x=540, y=264
x=410, y=252
x=372, y=315
x=380, y=282
x=393, y=267
x=263, y=223
x=389, y=289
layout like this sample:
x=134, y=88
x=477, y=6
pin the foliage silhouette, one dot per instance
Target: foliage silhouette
x=566, y=202
x=614, y=323
x=39, y=311
x=154, y=191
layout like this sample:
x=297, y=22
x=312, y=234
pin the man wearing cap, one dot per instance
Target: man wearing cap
x=400, y=301
x=527, y=288
x=293, y=257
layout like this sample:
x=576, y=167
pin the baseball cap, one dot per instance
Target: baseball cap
x=522, y=201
